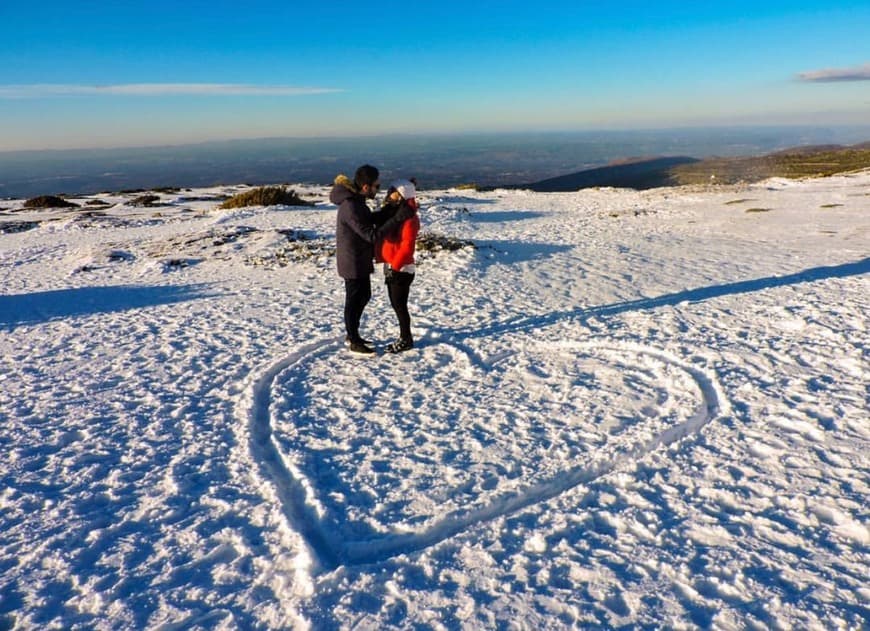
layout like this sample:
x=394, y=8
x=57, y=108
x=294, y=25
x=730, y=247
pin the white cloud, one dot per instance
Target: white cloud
x=156, y=89
x=830, y=75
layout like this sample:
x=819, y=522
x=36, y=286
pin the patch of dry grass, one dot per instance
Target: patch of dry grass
x=791, y=164
x=266, y=196
x=49, y=201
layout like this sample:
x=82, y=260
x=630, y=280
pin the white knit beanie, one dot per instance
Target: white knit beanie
x=406, y=188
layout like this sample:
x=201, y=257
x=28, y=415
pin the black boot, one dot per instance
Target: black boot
x=348, y=341
x=400, y=345
x=362, y=349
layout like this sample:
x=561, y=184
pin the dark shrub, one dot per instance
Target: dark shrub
x=49, y=201
x=145, y=200
x=266, y=196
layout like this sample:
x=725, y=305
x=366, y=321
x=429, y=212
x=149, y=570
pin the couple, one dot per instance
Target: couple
x=388, y=236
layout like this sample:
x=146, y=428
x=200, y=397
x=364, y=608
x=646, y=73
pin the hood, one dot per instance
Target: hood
x=343, y=188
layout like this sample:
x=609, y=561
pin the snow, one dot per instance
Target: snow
x=624, y=408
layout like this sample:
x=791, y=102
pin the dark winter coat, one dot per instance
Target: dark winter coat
x=355, y=232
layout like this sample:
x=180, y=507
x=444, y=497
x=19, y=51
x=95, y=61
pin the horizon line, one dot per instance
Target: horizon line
x=445, y=134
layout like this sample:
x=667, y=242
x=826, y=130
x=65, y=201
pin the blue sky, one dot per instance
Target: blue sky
x=126, y=73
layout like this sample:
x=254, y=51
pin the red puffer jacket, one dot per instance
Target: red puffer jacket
x=397, y=248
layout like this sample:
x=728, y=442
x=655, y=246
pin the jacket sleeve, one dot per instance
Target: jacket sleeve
x=404, y=254
x=359, y=219
x=380, y=217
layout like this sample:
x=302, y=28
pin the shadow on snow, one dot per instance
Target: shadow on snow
x=687, y=296
x=508, y=252
x=504, y=216
x=40, y=307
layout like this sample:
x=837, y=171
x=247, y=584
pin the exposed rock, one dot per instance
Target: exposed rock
x=10, y=227
x=299, y=247
x=209, y=243
x=432, y=242
x=170, y=265
x=204, y=198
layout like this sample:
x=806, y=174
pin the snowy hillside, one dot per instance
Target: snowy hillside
x=624, y=408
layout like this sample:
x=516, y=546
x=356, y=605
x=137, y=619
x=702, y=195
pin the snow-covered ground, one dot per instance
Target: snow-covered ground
x=643, y=409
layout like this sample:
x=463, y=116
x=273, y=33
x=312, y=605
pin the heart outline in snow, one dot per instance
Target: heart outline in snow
x=298, y=496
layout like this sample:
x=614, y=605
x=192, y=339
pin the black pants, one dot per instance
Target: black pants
x=398, y=288
x=357, y=293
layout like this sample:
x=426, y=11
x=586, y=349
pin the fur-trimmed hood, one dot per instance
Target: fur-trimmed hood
x=343, y=188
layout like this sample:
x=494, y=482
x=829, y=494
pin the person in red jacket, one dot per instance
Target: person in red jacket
x=396, y=251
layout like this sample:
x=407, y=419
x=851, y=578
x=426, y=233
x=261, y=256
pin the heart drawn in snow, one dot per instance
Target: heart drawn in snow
x=373, y=458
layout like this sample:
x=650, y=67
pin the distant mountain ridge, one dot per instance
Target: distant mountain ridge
x=535, y=160
x=797, y=162
x=641, y=174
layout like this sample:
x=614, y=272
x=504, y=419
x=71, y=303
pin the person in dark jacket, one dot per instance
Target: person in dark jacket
x=356, y=235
